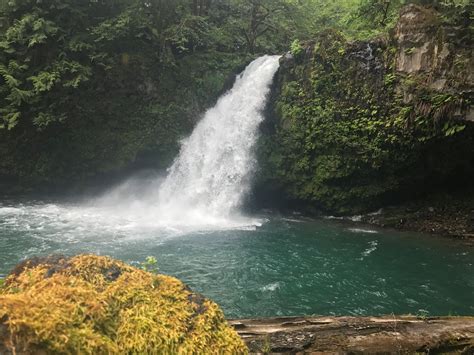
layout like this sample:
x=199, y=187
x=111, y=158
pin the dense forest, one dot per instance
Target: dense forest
x=91, y=88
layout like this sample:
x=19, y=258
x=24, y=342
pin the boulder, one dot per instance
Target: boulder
x=91, y=304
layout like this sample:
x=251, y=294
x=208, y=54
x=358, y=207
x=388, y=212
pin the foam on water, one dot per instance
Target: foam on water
x=363, y=230
x=270, y=287
x=372, y=247
x=210, y=178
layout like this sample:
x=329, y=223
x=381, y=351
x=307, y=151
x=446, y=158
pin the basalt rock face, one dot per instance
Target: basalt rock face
x=416, y=35
x=439, y=56
x=358, y=125
x=97, y=305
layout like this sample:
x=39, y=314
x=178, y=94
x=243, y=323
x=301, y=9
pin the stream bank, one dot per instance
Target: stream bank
x=449, y=215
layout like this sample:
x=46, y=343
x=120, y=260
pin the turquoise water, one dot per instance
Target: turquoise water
x=285, y=266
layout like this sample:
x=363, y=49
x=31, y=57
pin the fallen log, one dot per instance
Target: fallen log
x=388, y=334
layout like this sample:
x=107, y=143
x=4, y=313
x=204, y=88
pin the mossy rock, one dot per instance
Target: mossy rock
x=97, y=305
x=348, y=132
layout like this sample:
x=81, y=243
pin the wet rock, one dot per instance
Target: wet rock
x=287, y=60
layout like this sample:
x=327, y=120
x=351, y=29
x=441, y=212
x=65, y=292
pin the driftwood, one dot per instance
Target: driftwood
x=358, y=335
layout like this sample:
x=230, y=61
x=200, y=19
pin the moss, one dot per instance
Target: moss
x=345, y=139
x=97, y=305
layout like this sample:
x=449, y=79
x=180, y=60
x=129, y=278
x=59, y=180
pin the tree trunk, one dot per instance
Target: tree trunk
x=359, y=335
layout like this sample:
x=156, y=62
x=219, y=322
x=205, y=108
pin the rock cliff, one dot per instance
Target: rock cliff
x=356, y=125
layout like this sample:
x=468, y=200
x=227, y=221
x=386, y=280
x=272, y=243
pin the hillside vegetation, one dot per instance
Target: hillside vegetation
x=95, y=88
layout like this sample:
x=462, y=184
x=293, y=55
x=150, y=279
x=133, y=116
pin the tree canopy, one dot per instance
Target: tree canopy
x=49, y=49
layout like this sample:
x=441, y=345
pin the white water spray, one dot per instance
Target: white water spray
x=204, y=188
x=209, y=179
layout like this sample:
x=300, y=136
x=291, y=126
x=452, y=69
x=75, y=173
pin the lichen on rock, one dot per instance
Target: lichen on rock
x=97, y=305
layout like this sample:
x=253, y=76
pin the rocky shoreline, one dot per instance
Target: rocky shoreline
x=358, y=335
x=450, y=215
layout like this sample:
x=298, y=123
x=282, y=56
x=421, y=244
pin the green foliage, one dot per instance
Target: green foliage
x=47, y=60
x=85, y=97
x=150, y=264
x=296, y=48
x=374, y=16
x=345, y=140
x=369, y=18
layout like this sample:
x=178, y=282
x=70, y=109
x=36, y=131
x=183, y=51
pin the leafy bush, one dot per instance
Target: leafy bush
x=296, y=48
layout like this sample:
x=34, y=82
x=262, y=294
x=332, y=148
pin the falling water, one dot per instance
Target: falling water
x=204, y=188
x=209, y=179
x=276, y=270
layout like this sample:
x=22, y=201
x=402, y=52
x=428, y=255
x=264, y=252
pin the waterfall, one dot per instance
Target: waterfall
x=211, y=175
